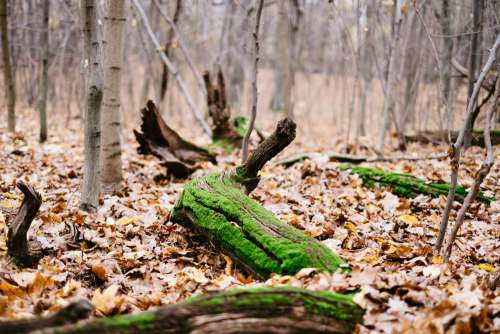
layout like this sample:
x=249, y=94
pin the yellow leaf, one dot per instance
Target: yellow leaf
x=262, y=174
x=392, y=249
x=437, y=259
x=12, y=196
x=9, y=204
x=409, y=219
x=127, y=220
x=229, y=265
x=108, y=302
x=372, y=259
x=486, y=267
x=351, y=227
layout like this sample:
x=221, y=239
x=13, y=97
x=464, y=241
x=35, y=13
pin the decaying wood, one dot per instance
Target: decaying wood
x=217, y=206
x=409, y=186
x=223, y=129
x=70, y=314
x=175, y=153
x=442, y=136
x=279, y=310
x=17, y=240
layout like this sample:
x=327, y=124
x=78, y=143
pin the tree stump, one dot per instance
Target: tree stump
x=17, y=241
x=217, y=205
x=176, y=154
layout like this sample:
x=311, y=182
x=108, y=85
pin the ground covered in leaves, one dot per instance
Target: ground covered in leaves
x=128, y=257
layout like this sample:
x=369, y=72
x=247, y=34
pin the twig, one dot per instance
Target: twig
x=253, y=114
x=481, y=174
x=456, y=147
x=173, y=70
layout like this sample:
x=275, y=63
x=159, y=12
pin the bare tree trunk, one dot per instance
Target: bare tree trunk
x=92, y=134
x=391, y=75
x=255, y=72
x=447, y=54
x=43, y=76
x=474, y=56
x=366, y=66
x=9, y=80
x=111, y=161
x=168, y=48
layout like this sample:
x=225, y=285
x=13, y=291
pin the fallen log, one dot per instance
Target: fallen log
x=217, y=205
x=442, y=136
x=176, y=154
x=17, y=241
x=409, y=186
x=251, y=310
x=331, y=156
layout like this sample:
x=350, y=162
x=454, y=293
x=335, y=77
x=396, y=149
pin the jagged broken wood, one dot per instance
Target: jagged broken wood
x=217, y=205
x=176, y=154
x=223, y=130
x=250, y=310
x=17, y=241
x=409, y=186
x=477, y=138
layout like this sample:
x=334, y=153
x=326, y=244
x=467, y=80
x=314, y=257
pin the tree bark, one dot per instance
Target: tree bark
x=92, y=132
x=111, y=162
x=43, y=70
x=176, y=154
x=477, y=137
x=168, y=48
x=9, y=78
x=278, y=310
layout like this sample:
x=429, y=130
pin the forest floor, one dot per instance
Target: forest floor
x=128, y=257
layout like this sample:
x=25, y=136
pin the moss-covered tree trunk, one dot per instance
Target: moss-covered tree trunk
x=409, y=186
x=251, y=310
x=217, y=205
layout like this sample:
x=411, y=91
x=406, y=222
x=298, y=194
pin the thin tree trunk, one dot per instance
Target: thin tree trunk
x=447, y=55
x=474, y=56
x=9, y=80
x=43, y=76
x=92, y=133
x=111, y=163
x=391, y=75
x=255, y=72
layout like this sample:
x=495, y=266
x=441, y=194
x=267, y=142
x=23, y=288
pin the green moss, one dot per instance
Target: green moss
x=247, y=230
x=240, y=123
x=323, y=303
x=223, y=144
x=409, y=186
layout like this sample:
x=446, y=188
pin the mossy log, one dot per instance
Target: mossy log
x=217, y=205
x=477, y=138
x=409, y=186
x=177, y=154
x=248, y=310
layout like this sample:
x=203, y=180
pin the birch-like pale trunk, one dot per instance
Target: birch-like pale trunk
x=9, y=80
x=92, y=124
x=43, y=70
x=111, y=155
